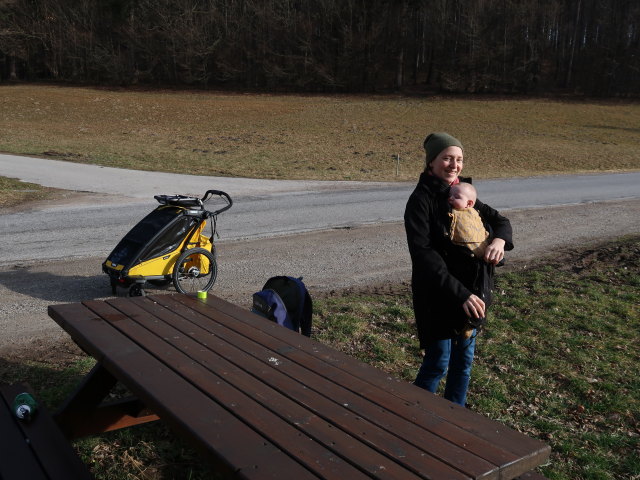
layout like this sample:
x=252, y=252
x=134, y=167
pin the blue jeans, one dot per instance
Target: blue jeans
x=453, y=357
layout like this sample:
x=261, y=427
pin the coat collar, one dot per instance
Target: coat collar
x=436, y=185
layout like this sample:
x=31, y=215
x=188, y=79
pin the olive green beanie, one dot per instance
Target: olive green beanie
x=437, y=142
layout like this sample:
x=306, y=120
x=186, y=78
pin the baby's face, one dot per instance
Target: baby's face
x=459, y=200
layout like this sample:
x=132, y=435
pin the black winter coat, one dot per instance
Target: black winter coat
x=444, y=275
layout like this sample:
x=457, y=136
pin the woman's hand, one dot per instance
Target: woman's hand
x=495, y=251
x=474, y=307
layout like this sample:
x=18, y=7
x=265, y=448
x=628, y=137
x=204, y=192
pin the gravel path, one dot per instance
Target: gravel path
x=356, y=257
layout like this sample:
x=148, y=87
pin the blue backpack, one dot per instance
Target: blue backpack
x=286, y=301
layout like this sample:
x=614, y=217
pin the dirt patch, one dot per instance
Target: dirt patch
x=625, y=254
x=622, y=253
x=567, y=237
x=380, y=289
x=60, y=353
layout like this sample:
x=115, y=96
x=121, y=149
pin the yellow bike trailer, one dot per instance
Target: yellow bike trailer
x=168, y=245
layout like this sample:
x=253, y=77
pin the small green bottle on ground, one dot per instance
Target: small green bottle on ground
x=25, y=406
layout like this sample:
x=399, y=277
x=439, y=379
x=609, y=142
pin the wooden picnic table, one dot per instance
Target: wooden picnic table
x=262, y=401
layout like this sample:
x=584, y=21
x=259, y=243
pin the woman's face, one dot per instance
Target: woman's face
x=448, y=164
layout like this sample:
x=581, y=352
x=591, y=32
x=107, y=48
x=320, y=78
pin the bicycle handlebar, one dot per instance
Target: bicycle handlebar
x=219, y=193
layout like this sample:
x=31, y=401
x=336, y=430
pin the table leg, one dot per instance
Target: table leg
x=84, y=412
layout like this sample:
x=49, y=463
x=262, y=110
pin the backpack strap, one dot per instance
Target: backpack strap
x=305, y=307
x=295, y=298
x=305, y=324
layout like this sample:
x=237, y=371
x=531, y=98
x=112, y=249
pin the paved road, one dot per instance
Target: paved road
x=267, y=208
x=505, y=193
x=144, y=185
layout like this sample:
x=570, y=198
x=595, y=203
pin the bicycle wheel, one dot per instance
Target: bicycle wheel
x=196, y=269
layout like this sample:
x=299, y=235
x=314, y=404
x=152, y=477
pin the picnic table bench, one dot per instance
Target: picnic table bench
x=261, y=401
x=37, y=449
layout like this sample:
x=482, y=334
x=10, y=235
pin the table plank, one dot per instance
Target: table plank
x=227, y=441
x=186, y=356
x=517, y=452
x=244, y=371
x=327, y=398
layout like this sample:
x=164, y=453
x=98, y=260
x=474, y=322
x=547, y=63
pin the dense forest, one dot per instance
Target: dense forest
x=585, y=47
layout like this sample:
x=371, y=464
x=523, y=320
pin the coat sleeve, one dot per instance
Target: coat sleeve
x=429, y=268
x=500, y=225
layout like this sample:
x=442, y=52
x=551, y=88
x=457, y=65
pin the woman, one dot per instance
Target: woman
x=449, y=285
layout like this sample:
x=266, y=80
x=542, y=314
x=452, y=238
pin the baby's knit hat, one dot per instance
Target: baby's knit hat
x=437, y=142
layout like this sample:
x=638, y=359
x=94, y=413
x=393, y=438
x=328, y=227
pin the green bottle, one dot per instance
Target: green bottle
x=25, y=406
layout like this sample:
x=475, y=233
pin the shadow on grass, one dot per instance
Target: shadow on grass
x=52, y=379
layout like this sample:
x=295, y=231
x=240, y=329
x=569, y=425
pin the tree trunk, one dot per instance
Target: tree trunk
x=13, y=77
x=400, y=69
x=573, y=44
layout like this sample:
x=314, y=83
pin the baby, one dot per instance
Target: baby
x=467, y=228
x=468, y=231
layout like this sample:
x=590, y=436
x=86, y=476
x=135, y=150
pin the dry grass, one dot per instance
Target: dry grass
x=313, y=137
x=14, y=192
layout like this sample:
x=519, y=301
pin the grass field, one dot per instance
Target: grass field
x=314, y=137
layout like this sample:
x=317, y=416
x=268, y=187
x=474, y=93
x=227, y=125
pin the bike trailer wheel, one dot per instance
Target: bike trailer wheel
x=196, y=269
